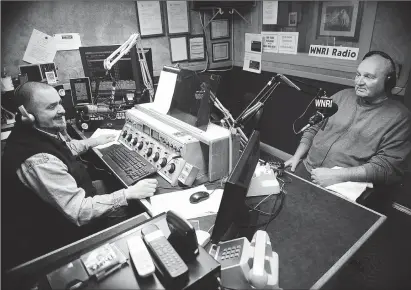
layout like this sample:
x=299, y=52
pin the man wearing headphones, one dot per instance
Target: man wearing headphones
x=369, y=136
x=48, y=197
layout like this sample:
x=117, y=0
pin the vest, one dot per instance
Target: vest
x=31, y=226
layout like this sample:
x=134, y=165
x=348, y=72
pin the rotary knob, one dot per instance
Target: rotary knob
x=156, y=156
x=149, y=151
x=163, y=162
x=129, y=137
x=140, y=145
x=135, y=141
x=124, y=134
x=172, y=168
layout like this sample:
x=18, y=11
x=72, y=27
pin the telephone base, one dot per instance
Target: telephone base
x=235, y=257
x=264, y=182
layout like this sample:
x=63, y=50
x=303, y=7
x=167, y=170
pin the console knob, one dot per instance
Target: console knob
x=156, y=156
x=149, y=151
x=172, y=168
x=129, y=137
x=163, y=162
x=140, y=145
x=135, y=141
x=124, y=134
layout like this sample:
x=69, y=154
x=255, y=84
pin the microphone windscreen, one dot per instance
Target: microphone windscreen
x=331, y=111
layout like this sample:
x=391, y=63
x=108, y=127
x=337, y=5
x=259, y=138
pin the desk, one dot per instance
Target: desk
x=315, y=234
x=34, y=272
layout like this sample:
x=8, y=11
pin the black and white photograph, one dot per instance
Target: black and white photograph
x=205, y=145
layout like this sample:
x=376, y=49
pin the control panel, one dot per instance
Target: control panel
x=160, y=144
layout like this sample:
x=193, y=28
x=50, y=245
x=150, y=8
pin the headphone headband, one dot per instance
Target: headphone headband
x=391, y=78
x=382, y=54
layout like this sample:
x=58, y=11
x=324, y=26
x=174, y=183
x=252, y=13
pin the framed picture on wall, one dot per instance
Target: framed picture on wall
x=178, y=48
x=178, y=18
x=340, y=19
x=221, y=51
x=196, y=47
x=220, y=28
x=150, y=19
x=292, y=19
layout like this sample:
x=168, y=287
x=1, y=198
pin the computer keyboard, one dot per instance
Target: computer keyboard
x=129, y=166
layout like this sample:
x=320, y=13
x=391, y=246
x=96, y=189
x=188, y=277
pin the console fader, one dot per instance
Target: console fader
x=162, y=145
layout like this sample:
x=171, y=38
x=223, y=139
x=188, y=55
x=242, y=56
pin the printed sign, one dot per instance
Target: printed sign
x=339, y=52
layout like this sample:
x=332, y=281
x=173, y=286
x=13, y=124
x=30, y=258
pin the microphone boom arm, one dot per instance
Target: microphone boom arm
x=133, y=40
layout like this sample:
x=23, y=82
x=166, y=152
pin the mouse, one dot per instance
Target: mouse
x=199, y=196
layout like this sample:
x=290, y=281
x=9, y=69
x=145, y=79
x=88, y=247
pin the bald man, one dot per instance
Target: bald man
x=47, y=195
x=369, y=136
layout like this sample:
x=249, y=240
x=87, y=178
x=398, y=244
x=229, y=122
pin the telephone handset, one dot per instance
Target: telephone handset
x=245, y=264
x=182, y=237
x=26, y=117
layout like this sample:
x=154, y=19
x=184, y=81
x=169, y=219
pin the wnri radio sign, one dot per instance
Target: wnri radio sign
x=340, y=52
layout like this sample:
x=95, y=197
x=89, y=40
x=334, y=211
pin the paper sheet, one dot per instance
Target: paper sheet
x=270, y=12
x=252, y=62
x=178, y=47
x=100, y=132
x=177, y=16
x=149, y=14
x=253, y=50
x=67, y=41
x=40, y=49
x=165, y=91
x=179, y=201
x=351, y=190
x=288, y=42
x=270, y=41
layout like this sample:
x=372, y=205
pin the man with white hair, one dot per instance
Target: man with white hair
x=369, y=136
x=48, y=196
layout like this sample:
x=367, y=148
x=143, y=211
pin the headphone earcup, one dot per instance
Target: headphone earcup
x=390, y=82
x=26, y=117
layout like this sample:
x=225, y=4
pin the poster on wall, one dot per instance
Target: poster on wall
x=253, y=51
x=270, y=41
x=149, y=18
x=41, y=48
x=288, y=42
x=177, y=17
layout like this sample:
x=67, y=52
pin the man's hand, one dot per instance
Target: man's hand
x=293, y=162
x=142, y=189
x=326, y=176
x=103, y=139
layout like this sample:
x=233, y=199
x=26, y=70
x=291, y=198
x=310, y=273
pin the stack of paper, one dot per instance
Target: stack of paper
x=179, y=201
x=350, y=190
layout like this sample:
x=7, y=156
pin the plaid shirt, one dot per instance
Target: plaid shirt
x=48, y=176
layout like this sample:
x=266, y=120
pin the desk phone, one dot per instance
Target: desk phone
x=244, y=263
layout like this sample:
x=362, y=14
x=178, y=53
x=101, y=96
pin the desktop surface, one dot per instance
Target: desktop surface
x=315, y=233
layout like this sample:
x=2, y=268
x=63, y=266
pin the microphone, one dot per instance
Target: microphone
x=319, y=116
x=289, y=82
x=93, y=109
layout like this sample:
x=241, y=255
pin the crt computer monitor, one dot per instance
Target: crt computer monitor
x=127, y=68
x=233, y=210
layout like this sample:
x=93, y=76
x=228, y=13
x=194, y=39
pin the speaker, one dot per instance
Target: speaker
x=391, y=79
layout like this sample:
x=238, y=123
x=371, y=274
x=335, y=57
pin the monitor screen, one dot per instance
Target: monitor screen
x=190, y=102
x=33, y=72
x=232, y=207
x=81, y=92
x=126, y=69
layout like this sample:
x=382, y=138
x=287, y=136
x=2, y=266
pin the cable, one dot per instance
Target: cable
x=405, y=85
x=305, y=111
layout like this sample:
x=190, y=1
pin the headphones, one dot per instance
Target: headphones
x=26, y=117
x=391, y=79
